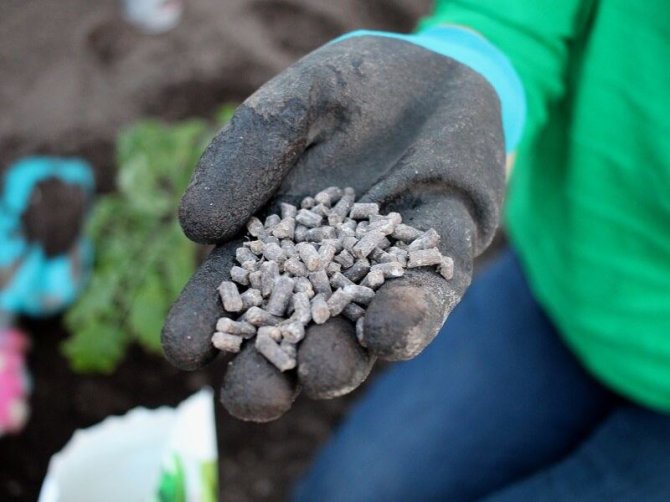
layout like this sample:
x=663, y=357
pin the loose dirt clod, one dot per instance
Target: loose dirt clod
x=309, y=264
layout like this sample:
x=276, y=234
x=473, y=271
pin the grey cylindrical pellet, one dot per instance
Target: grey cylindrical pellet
x=256, y=246
x=259, y=317
x=300, y=233
x=367, y=243
x=282, y=292
x=243, y=255
x=390, y=270
x=321, y=209
x=334, y=219
x=338, y=280
x=239, y=275
x=350, y=226
x=230, y=297
x=326, y=254
x=343, y=206
x=373, y=280
x=353, y=312
x=309, y=256
x=400, y=255
x=303, y=285
x=384, y=226
x=273, y=353
x=289, y=347
x=293, y=331
x=337, y=301
x=394, y=217
x=307, y=203
x=272, y=331
x=255, y=227
x=227, y=342
x=251, y=298
x=269, y=272
x=345, y=231
x=359, y=331
x=379, y=255
x=256, y=280
x=271, y=221
x=274, y=252
x=446, y=267
x=362, y=228
x=337, y=243
x=321, y=233
x=268, y=239
x=362, y=210
x=251, y=266
x=295, y=267
x=358, y=270
x=349, y=242
x=301, y=308
x=289, y=247
x=360, y=294
x=308, y=218
x=424, y=258
x=345, y=258
x=320, y=310
x=405, y=233
x=427, y=240
x=333, y=268
x=242, y=328
x=328, y=195
x=319, y=280
x=288, y=210
x=285, y=229
x=384, y=243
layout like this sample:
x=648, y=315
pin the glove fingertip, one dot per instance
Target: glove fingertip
x=191, y=321
x=207, y=218
x=182, y=348
x=404, y=318
x=331, y=362
x=254, y=390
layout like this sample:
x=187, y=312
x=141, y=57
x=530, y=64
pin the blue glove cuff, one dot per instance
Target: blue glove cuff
x=476, y=52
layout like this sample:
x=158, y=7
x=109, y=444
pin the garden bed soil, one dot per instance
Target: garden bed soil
x=73, y=74
x=257, y=461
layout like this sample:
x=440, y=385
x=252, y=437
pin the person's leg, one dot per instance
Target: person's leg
x=627, y=458
x=495, y=397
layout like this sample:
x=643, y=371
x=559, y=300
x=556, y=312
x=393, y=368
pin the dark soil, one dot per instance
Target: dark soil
x=257, y=462
x=73, y=74
x=54, y=216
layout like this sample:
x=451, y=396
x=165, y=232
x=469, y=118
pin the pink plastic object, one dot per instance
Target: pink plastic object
x=14, y=385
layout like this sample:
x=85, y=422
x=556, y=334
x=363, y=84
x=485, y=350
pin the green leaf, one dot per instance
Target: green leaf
x=96, y=348
x=142, y=259
x=172, y=482
x=225, y=113
x=210, y=481
x=148, y=311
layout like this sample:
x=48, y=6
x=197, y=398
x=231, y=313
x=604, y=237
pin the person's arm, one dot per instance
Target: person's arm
x=535, y=35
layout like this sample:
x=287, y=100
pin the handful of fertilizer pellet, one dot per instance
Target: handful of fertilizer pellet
x=310, y=264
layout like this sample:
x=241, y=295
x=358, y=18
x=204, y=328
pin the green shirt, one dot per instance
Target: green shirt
x=588, y=207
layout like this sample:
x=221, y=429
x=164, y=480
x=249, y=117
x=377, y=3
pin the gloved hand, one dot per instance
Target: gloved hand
x=407, y=127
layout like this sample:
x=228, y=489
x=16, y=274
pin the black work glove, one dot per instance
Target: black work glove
x=411, y=129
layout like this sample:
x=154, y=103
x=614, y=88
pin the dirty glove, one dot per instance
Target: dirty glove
x=407, y=125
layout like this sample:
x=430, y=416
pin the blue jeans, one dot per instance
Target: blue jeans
x=495, y=407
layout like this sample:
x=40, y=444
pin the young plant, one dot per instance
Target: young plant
x=142, y=259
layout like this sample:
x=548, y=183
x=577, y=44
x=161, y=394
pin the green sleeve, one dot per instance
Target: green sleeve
x=535, y=34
